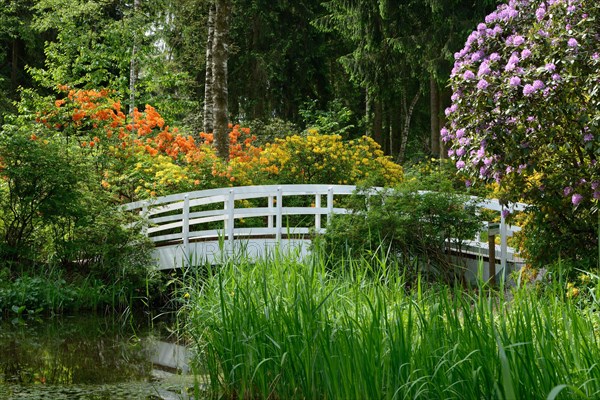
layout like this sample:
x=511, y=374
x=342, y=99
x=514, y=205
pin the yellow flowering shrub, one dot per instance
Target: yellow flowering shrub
x=136, y=174
x=318, y=158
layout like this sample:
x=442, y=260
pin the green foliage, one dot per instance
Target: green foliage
x=336, y=120
x=415, y=227
x=91, y=47
x=50, y=289
x=94, y=46
x=33, y=294
x=440, y=175
x=274, y=128
x=560, y=235
x=40, y=187
x=279, y=59
x=54, y=213
x=20, y=46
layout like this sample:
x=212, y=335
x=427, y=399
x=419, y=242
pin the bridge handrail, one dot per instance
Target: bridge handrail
x=171, y=217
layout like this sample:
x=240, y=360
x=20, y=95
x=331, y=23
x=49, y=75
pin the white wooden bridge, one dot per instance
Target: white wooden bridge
x=209, y=226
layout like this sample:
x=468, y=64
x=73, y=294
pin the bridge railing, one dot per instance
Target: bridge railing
x=222, y=214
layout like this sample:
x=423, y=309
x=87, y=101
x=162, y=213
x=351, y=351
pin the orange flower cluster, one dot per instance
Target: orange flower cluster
x=242, y=150
x=145, y=153
x=86, y=107
x=144, y=123
x=208, y=138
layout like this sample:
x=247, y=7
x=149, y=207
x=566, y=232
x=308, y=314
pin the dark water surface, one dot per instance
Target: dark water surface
x=90, y=357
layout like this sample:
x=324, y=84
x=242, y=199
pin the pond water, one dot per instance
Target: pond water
x=90, y=357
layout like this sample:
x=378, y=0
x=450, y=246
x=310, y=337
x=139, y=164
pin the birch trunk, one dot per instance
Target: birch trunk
x=132, y=63
x=220, y=79
x=368, y=113
x=434, y=101
x=406, y=129
x=209, y=108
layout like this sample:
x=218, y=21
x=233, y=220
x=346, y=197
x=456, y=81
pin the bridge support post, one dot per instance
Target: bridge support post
x=271, y=211
x=493, y=230
x=144, y=216
x=503, y=242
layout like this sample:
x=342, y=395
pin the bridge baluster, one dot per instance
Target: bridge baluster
x=279, y=214
x=270, y=216
x=185, y=227
x=329, y=203
x=230, y=218
x=503, y=241
x=144, y=215
x=318, y=214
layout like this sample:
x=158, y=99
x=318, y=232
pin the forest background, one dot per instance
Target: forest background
x=378, y=68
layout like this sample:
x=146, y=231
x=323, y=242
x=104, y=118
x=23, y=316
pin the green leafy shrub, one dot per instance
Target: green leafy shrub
x=102, y=248
x=27, y=293
x=441, y=175
x=40, y=187
x=268, y=131
x=416, y=227
x=56, y=214
x=560, y=237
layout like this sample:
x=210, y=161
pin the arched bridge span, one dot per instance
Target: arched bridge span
x=210, y=225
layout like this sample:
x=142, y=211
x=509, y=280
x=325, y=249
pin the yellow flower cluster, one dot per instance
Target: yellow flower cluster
x=572, y=290
x=159, y=175
x=317, y=158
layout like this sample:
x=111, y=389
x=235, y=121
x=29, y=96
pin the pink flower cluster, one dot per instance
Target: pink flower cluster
x=527, y=85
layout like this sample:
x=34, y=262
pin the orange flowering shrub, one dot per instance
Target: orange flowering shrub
x=141, y=156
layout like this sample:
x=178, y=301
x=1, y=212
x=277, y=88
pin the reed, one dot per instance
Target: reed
x=285, y=329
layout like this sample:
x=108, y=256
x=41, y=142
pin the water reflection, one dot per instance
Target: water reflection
x=84, y=357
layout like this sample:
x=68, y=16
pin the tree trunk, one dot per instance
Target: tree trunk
x=387, y=130
x=442, y=122
x=378, y=122
x=368, y=113
x=220, y=78
x=209, y=82
x=406, y=129
x=444, y=100
x=396, y=133
x=390, y=141
x=434, y=101
x=132, y=62
x=259, y=81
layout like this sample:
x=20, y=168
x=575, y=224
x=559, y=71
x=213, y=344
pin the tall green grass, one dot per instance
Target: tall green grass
x=284, y=329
